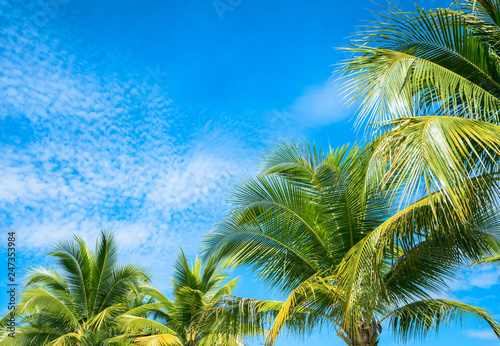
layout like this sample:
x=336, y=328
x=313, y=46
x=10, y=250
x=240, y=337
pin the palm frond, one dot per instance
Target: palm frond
x=158, y=340
x=441, y=153
x=76, y=261
x=64, y=340
x=427, y=61
x=38, y=299
x=134, y=323
x=106, y=257
x=421, y=317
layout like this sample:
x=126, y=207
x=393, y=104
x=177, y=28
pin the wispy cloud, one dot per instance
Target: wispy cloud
x=476, y=277
x=317, y=106
x=103, y=150
x=481, y=334
x=320, y=105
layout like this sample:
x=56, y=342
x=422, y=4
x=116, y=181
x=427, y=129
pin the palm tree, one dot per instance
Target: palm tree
x=311, y=228
x=431, y=81
x=203, y=311
x=78, y=304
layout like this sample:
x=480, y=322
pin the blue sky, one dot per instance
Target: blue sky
x=139, y=117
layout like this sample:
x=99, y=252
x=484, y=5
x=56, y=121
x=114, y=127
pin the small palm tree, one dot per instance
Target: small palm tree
x=202, y=313
x=311, y=227
x=78, y=304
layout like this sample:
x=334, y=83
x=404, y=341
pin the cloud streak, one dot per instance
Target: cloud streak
x=320, y=105
x=97, y=150
x=476, y=277
x=481, y=334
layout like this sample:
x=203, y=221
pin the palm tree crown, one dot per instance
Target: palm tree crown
x=202, y=313
x=78, y=304
x=311, y=227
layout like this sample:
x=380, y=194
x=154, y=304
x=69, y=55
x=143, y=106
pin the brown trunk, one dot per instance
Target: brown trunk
x=367, y=334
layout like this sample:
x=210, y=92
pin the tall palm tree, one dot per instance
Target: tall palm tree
x=77, y=304
x=343, y=253
x=202, y=312
x=431, y=81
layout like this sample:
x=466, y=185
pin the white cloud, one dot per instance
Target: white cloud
x=481, y=334
x=100, y=151
x=154, y=201
x=484, y=279
x=476, y=277
x=320, y=105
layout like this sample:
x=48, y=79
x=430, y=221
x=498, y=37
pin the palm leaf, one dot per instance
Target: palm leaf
x=421, y=317
x=428, y=61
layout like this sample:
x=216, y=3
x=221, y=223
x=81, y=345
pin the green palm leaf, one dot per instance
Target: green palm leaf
x=79, y=303
x=321, y=229
x=427, y=61
x=421, y=317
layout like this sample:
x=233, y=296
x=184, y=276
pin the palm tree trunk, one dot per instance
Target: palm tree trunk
x=367, y=334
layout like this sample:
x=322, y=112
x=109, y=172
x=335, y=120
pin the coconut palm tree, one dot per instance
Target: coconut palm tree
x=341, y=251
x=78, y=303
x=430, y=79
x=202, y=312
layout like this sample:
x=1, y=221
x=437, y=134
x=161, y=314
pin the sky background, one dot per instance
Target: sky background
x=140, y=116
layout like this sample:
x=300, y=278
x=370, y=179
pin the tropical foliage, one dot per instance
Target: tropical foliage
x=77, y=305
x=202, y=311
x=431, y=81
x=361, y=238
x=310, y=226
